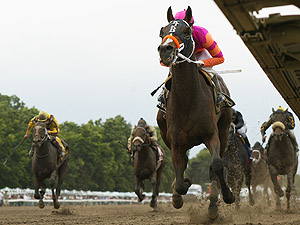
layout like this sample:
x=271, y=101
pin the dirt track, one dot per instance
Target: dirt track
x=191, y=213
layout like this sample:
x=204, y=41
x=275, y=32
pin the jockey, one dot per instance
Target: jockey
x=289, y=124
x=153, y=136
x=207, y=51
x=241, y=129
x=52, y=128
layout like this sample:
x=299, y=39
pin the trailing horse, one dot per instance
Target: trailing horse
x=191, y=117
x=282, y=160
x=147, y=165
x=45, y=165
x=237, y=165
x=259, y=171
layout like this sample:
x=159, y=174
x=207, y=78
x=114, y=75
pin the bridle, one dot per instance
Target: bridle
x=40, y=142
x=141, y=142
x=184, y=50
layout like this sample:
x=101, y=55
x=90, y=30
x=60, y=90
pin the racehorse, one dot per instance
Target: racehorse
x=45, y=165
x=191, y=117
x=146, y=165
x=259, y=171
x=282, y=160
x=237, y=165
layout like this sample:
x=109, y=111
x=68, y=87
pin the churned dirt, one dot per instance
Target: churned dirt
x=190, y=213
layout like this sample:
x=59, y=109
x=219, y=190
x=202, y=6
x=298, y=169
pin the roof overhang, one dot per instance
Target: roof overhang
x=273, y=41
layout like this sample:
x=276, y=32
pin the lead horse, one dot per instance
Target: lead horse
x=191, y=117
x=147, y=165
x=45, y=165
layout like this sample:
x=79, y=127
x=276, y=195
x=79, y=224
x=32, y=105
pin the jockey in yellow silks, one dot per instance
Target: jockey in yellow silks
x=52, y=128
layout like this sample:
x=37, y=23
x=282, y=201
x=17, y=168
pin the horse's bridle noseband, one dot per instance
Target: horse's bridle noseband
x=141, y=140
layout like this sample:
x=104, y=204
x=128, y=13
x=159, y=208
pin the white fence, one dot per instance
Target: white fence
x=24, y=197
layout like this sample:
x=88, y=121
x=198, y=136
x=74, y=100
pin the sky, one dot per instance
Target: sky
x=86, y=60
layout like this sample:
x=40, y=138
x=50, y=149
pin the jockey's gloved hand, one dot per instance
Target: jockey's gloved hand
x=26, y=136
x=200, y=64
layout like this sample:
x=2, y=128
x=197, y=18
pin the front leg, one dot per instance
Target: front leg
x=180, y=161
x=273, y=172
x=138, y=189
x=36, y=188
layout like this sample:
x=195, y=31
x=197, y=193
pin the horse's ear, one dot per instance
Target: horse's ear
x=188, y=15
x=170, y=14
x=273, y=110
x=287, y=109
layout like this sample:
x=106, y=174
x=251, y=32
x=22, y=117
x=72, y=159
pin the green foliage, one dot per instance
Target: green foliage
x=99, y=159
x=198, y=168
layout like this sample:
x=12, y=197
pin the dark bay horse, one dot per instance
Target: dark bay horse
x=282, y=160
x=146, y=166
x=45, y=165
x=237, y=166
x=191, y=117
x=259, y=171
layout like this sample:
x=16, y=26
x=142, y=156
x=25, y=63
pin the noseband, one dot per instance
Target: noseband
x=141, y=140
x=259, y=156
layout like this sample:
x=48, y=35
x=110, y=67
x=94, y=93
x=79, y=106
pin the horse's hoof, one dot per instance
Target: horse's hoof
x=279, y=192
x=154, y=210
x=177, y=201
x=142, y=197
x=56, y=205
x=229, y=198
x=41, y=204
x=213, y=212
x=37, y=196
x=153, y=203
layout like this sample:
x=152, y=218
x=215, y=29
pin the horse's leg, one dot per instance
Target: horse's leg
x=290, y=190
x=248, y=183
x=266, y=194
x=52, y=186
x=218, y=168
x=61, y=175
x=137, y=189
x=161, y=121
x=180, y=185
x=213, y=211
x=277, y=188
x=153, y=202
x=36, y=188
x=42, y=192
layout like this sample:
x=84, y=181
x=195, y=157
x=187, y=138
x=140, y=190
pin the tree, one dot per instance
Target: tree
x=198, y=167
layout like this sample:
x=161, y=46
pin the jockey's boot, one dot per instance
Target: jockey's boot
x=162, y=101
x=249, y=150
x=31, y=151
x=222, y=99
x=60, y=151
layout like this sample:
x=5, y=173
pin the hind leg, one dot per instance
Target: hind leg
x=218, y=169
x=153, y=203
x=248, y=177
x=291, y=190
x=61, y=175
